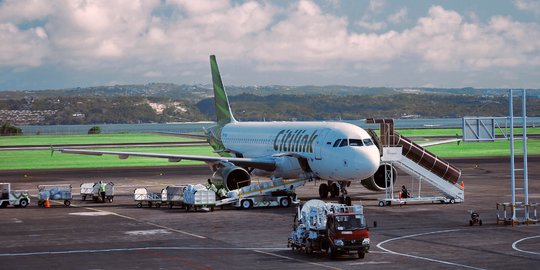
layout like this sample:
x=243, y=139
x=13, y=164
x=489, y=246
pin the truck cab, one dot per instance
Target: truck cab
x=347, y=232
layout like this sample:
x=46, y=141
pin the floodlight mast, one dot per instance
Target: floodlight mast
x=525, y=172
x=512, y=165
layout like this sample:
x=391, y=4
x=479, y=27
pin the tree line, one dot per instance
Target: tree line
x=137, y=109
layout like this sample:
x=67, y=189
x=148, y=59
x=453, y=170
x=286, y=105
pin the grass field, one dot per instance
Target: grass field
x=90, y=139
x=41, y=159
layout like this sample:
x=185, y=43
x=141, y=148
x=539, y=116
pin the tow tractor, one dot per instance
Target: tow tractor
x=330, y=228
x=17, y=198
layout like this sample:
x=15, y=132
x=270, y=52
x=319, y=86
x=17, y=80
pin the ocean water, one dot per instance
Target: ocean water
x=198, y=127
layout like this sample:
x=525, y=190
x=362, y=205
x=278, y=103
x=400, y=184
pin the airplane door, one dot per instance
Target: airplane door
x=320, y=143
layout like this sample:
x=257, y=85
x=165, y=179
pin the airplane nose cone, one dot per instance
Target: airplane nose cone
x=369, y=163
x=374, y=159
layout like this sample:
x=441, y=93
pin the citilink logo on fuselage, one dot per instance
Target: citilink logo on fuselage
x=297, y=140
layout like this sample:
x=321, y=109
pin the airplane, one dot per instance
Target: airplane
x=337, y=153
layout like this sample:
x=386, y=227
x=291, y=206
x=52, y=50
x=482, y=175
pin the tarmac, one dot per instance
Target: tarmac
x=118, y=235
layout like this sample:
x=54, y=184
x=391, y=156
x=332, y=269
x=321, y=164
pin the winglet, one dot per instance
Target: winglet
x=223, y=109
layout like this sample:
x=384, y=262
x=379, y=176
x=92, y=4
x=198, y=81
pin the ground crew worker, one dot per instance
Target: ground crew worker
x=211, y=186
x=404, y=192
x=222, y=193
x=102, y=190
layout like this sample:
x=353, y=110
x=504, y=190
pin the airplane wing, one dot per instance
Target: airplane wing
x=186, y=135
x=267, y=164
x=426, y=144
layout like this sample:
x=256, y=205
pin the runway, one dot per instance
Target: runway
x=116, y=235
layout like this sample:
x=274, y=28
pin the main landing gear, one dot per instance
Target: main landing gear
x=334, y=189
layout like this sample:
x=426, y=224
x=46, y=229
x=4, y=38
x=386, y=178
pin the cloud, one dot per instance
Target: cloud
x=16, y=11
x=160, y=39
x=399, y=16
x=376, y=6
x=528, y=5
x=26, y=48
x=366, y=23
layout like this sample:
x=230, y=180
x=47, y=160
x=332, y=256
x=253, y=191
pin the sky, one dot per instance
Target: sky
x=49, y=44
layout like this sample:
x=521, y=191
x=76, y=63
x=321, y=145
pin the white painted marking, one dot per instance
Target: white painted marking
x=150, y=223
x=134, y=249
x=298, y=260
x=514, y=245
x=367, y=263
x=91, y=214
x=423, y=258
x=148, y=232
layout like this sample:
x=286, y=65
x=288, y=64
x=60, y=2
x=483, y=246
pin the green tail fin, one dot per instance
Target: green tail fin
x=223, y=110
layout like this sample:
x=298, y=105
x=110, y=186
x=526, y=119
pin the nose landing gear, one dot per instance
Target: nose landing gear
x=335, y=188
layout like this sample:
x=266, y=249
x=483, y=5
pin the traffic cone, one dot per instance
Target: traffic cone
x=47, y=203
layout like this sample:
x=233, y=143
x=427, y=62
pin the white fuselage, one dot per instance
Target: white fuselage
x=335, y=151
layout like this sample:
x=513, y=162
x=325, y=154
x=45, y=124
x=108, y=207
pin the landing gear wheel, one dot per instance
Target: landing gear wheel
x=309, y=248
x=285, y=202
x=23, y=203
x=334, y=190
x=331, y=253
x=323, y=191
x=348, y=201
x=246, y=204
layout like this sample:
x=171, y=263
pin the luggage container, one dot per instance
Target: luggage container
x=17, y=198
x=143, y=196
x=92, y=190
x=197, y=197
x=173, y=195
x=54, y=192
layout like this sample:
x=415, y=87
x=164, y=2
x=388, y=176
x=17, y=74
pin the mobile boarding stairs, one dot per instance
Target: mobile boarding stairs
x=402, y=153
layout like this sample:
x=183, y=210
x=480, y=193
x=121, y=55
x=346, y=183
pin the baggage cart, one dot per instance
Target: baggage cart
x=143, y=196
x=54, y=192
x=92, y=190
x=198, y=197
x=173, y=195
x=17, y=198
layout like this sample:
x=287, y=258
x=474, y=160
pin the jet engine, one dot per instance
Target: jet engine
x=231, y=177
x=376, y=181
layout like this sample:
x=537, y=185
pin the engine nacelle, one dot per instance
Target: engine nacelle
x=231, y=177
x=376, y=181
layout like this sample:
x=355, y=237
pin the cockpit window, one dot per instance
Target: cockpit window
x=337, y=143
x=355, y=142
x=368, y=142
x=344, y=142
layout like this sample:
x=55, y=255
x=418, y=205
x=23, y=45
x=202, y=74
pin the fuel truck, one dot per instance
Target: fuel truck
x=330, y=228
